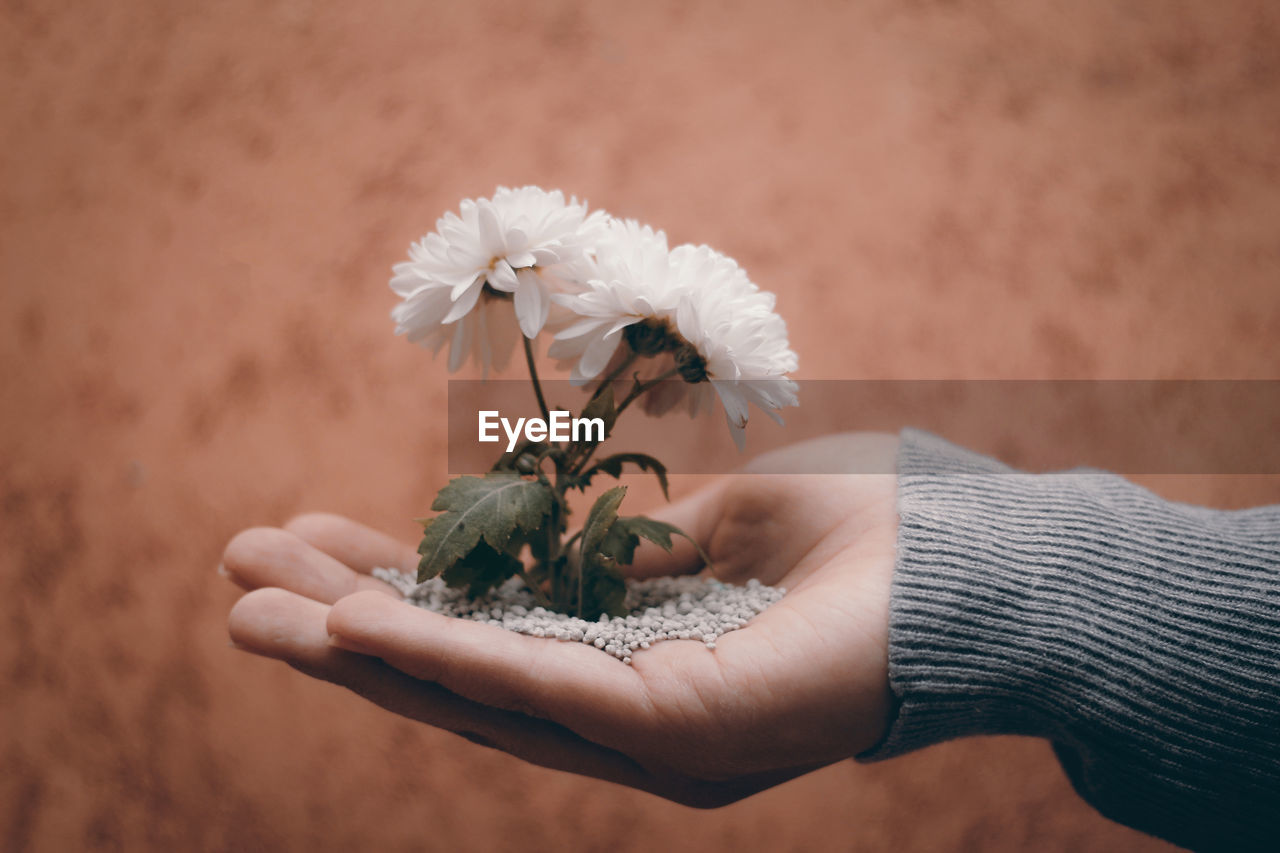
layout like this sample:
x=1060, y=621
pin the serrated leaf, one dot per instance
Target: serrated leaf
x=625, y=535
x=601, y=406
x=612, y=465
x=619, y=545
x=481, y=570
x=657, y=532
x=491, y=508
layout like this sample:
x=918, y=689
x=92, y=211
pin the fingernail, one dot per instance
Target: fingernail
x=347, y=644
x=224, y=572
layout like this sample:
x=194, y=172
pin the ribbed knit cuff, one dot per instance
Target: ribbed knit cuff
x=1141, y=636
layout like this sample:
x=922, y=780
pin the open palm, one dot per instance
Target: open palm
x=802, y=685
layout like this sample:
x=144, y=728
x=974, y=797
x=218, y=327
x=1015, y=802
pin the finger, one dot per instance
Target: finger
x=350, y=542
x=278, y=624
x=568, y=683
x=268, y=556
x=696, y=515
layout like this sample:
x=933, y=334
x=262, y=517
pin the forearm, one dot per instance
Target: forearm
x=1141, y=636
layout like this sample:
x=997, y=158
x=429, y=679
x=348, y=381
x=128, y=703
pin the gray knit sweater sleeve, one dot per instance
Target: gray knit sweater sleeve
x=1140, y=636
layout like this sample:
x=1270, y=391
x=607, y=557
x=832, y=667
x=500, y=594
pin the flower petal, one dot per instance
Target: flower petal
x=585, y=326
x=521, y=259
x=735, y=405
x=459, y=285
x=464, y=304
x=459, y=345
x=503, y=332
x=490, y=231
x=597, y=355
x=503, y=277
x=735, y=411
x=532, y=303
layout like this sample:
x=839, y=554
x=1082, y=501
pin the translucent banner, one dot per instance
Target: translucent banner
x=1126, y=426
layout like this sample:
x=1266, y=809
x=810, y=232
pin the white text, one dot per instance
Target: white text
x=562, y=427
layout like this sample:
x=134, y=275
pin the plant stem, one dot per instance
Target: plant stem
x=556, y=520
x=636, y=390
x=640, y=387
x=575, y=449
x=617, y=371
x=557, y=551
x=538, y=594
x=553, y=548
x=533, y=375
x=569, y=465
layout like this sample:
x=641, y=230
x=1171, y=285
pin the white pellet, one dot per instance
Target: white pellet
x=695, y=608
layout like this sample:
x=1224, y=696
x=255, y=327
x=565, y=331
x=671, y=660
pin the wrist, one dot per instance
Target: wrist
x=976, y=646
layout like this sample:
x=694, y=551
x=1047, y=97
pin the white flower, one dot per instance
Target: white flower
x=629, y=282
x=462, y=281
x=694, y=312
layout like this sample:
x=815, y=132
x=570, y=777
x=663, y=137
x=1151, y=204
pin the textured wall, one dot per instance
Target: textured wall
x=198, y=209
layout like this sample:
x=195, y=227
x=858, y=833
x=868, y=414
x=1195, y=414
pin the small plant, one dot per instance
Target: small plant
x=670, y=327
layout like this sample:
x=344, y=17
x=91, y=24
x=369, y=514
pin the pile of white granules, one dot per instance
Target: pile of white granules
x=679, y=608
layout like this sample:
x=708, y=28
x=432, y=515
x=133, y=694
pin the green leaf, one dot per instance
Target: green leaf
x=657, y=532
x=612, y=465
x=490, y=508
x=481, y=570
x=604, y=590
x=619, y=545
x=601, y=406
x=602, y=516
x=625, y=535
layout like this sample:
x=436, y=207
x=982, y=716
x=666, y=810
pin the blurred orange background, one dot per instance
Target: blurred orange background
x=199, y=208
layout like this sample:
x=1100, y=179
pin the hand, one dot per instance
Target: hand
x=802, y=685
